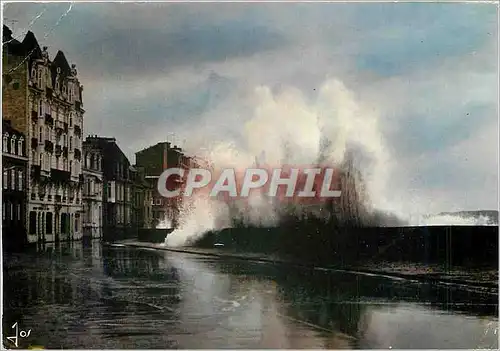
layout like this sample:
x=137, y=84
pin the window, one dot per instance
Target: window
x=5, y=179
x=48, y=223
x=40, y=134
x=71, y=120
x=70, y=142
x=18, y=212
x=40, y=108
x=109, y=190
x=47, y=133
x=64, y=140
x=32, y=226
x=70, y=166
x=33, y=73
x=15, y=85
x=40, y=77
x=13, y=179
x=11, y=211
x=20, y=146
x=13, y=145
x=48, y=161
x=5, y=142
x=20, y=182
x=3, y=210
x=41, y=159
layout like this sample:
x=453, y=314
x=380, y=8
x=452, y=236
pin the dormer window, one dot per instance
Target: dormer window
x=33, y=73
x=5, y=142
x=13, y=145
x=20, y=146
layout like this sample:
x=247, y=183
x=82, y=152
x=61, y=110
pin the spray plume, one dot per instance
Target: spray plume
x=286, y=128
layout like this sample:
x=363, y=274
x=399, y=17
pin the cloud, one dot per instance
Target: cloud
x=428, y=72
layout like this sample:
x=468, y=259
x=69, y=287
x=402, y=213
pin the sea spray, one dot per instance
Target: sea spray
x=164, y=224
x=197, y=216
x=288, y=128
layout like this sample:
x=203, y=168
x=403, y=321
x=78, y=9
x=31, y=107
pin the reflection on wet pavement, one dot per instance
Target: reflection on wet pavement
x=102, y=297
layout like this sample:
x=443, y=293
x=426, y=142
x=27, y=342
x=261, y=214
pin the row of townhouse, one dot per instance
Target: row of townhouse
x=57, y=186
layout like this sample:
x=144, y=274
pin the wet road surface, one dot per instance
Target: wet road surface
x=96, y=297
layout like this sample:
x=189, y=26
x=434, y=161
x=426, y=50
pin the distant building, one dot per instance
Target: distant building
x=154, y=160
x=43, y=101
x=93, y=189
x=118, y=184
x=14, y=193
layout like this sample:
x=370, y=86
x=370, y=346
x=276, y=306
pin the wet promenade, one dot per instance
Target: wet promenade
x=72, y=296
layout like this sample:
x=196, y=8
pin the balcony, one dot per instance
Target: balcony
x=58, y=176
x=49, y=146
x=78, y=154
x=65, y=151
x=34, y=116
x=49, y=120
x=78, y=130
x=34, y=143
x=58, y=150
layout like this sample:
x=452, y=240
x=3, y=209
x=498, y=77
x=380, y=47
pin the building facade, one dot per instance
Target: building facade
x=154, y=160
x=43, y=100
x=92, y=192
x=118, y=221
x=14, y=195
x=143, y=199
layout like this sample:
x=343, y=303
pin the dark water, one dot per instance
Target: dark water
x=101, y=297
